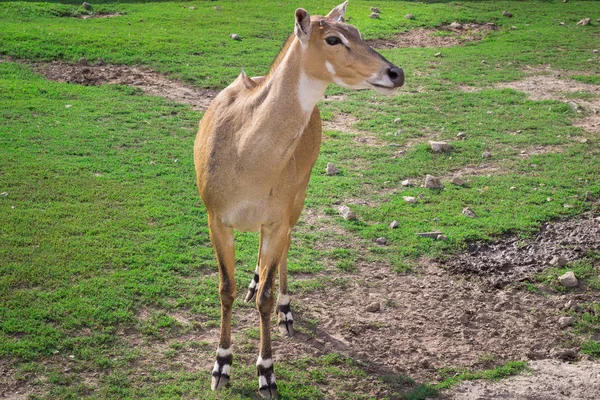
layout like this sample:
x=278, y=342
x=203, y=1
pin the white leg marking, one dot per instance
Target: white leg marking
x=262, y=381
x=288, y=316
x=224, y=352
x=264, y=363
x=226, y=370
x=216, y=367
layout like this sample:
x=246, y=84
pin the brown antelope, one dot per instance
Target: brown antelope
x=254, y=152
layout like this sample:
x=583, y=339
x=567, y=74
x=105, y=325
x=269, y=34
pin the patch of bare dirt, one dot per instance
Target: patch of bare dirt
x=149, y=81
x=549, y=380
x=341, y=123
x=444, y=36
x=99, y=15
x=514, y=259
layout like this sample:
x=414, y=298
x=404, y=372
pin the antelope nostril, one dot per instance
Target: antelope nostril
x=396, y=76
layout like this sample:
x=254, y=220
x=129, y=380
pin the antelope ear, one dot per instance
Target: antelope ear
x=302, y=28
x=337, y=14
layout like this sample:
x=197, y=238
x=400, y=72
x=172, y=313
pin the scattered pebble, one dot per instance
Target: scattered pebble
x=439, y=147
x=4, y=194
x=561, y=23
x=437, y=54
x=382, y=241
x=375, y=10
x=513, y=27
x=373, y=307
x=513, y=188
x=71, y=356
x=82, y=61
x=394, y=224
x=100, y=62
x=431, y=235
x=86, y=5
x=483, y=61
x=571, y=305
x=584, y=141
x=486, y=154
x=347, y=213
x=68, y=105
x=456, y=25
x=595, y=51
x=409, y=199
x=407, y=183
x=442, y=237
x=235, y=36
x=507, y=14
x=331, y=169
x=469, y=212
x=431, y=182
x=549, y=199
x=461, y=135
x=458, y=181
x=563, y=322
x=409, y=16
x=490, y=112
x=374, y=15
x=398, y=121
x=192, y=8
x=584, y=22
x=574, y=106
x=558, y=261
x=568, y=280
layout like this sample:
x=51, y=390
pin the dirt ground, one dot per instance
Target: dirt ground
x=463, y=312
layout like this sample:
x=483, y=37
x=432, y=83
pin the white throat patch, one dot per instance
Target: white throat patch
x=310, y=91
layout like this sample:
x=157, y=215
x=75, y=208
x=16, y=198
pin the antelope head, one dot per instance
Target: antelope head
x=335, y=52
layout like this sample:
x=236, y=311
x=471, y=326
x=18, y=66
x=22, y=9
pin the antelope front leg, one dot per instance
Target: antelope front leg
x=284, y=314
x=222, y=239
x=273, y=247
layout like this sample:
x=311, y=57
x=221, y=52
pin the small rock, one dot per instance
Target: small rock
x=461, y=135
x=483, y=61
x=442, y=237
x=71, y=357
x=374, y=15
x=561, y=23
x=595, y=51
x=68, y=105
x=437, y=54
x=373, y=307
x=571, y=305
x=456, y=25
x=192, y=8
x=563, y=322
x=513, y=27
x=331, y=169
x=464, y=318
x=558, y=261
x=235, y=36
x=347, y=213
x=82, y=61
x=398, y=121
x=490, y=112
x=431, y=182
x=584, y=141
x=568, y=280
x=436, y=219
x=100, y=62
x=394, y=224
x=512, y=188
x=375, y=10
x=4, y=194
x=431, y=235
x=507, y=14
x=86, y=5
x=549, y=199
x=458, y=181
x=421, y=196
x=439, y=147
x=574, y=106
x=409, y=199
x=486, y=154
x=407, y=183
x=217, y=8
x=568, y=206
x=382, y=241
x=469, y=213
x=584, y=22
x=564, y=354
x=409, y=16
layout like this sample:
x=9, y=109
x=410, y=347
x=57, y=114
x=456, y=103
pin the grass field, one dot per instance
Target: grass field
x=107, y=275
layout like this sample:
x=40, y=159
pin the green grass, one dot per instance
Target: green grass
x=103, y=237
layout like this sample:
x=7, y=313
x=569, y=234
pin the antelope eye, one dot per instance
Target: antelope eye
x=333, y=40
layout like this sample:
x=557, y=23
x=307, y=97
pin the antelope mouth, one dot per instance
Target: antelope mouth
x=384, y=89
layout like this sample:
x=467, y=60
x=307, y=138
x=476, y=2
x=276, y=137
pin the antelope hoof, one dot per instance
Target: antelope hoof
x=286, y=321
x=219, y=381
x=222, y=369
x=267, y=388
x=252, y=288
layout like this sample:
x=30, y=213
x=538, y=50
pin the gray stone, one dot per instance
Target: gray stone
x=431, y=182
x=507, y=14
x=458, y=181
x=574, y=106
x=409, y=16
x=235, y=36
x=382, y=241
x=568, y=280
x=486, y=154
x=82, y=61
x=375, y=10
x=394, y=224
x=438, y=54
x=407, y=183
x=431, y=235
x=373, y=307
x=563, y=322
x=571, y=305
x=442, y=237
x=398, y=121
x=347, y=213
x=584, y=22
x=439, y=147
x=86, y=5
x=331, y=169
x=558, y=261
x=100, y=62
x=467, y=211
x=456, y=25
x=374, y=15
x=409, y=199
x=461, y=135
